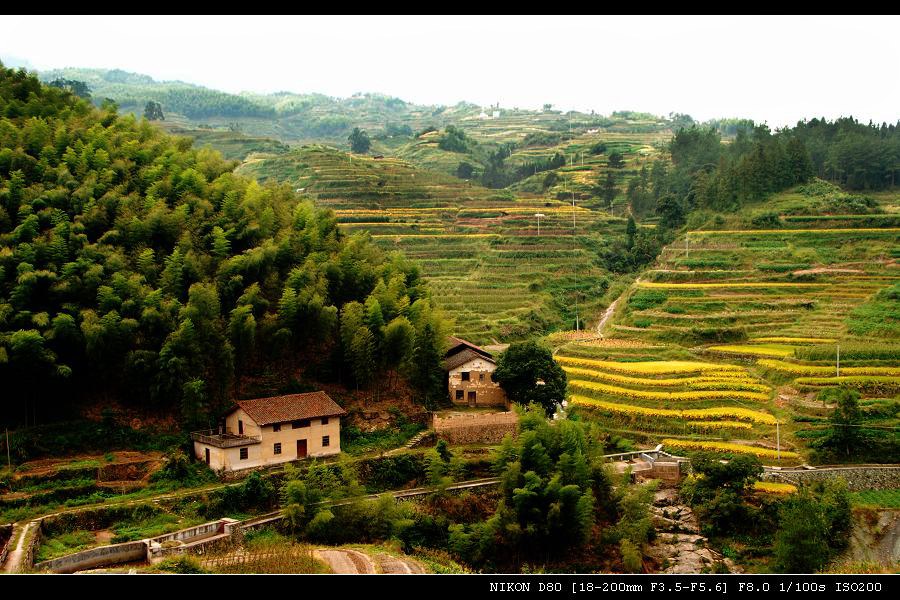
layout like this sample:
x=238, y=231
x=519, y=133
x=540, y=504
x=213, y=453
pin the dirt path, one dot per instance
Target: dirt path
x=15, y=555
x=346, y=562
x=394, y=566
x=606, y=315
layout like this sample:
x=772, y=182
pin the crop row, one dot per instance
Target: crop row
x=699, y=383
x=703, y=414
x=870, y=383
x=655, y=367
x=728, y=447
x=823, y=371
x=654, y=395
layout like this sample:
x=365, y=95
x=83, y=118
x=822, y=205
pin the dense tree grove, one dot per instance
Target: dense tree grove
x=705, y=173
x=554, y=482
x=134, y=266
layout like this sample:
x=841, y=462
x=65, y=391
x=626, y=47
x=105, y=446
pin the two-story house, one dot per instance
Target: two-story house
x=469, y=369
x=267, y=431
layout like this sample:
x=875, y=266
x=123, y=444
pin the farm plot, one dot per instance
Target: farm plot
x=768, y=309
x=495, y=272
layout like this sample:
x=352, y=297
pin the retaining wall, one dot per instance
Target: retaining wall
x=5, y=541
x=476, y=428
x=857, y=478
x=36, y=532
x=96, y=557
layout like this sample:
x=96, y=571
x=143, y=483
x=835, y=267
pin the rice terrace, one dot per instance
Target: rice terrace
x=327, y=332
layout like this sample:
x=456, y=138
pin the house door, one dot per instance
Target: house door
x=207, y=456
x=471, y=398
x=301, y=448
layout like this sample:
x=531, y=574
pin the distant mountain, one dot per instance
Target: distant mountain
x=307, y=118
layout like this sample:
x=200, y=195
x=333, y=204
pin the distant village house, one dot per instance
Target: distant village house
x=469, y=376
x=267, y=431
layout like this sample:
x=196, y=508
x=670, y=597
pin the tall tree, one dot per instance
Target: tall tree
x=359, y=141
x=528, y=374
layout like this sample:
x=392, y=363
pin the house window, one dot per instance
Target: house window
x=465, y=376
x=326, y=440
x=276, y=427
x=324, y=420
x=277, y=448
x=299, y=424
x=481, y=377
x=243, y=454
x=459, y=394
x=240, y=427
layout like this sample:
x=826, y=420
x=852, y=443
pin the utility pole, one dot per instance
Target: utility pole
x=686, y=238
x=778, y=438
x=539, y=215
x=838, y=366
x=575, y=265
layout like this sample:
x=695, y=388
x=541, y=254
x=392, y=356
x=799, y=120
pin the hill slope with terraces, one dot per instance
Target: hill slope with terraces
x=489, y=267
x=737, y=328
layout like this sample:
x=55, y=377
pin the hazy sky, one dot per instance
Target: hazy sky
x=776, y=69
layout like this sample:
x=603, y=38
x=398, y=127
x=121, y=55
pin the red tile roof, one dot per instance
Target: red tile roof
x=293, y=407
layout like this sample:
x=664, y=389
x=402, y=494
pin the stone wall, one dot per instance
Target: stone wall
x=129, y=471
x=31, y=545
x=476, y=428
x=5, y=541
x=857, y=478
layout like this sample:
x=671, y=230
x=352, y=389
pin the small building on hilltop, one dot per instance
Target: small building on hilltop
x=267, y=431
x=469, y=375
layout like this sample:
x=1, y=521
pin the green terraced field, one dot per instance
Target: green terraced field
x=496, y=275
x=774, y=302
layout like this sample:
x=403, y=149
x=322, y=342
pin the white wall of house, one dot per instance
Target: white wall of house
x=264, y=453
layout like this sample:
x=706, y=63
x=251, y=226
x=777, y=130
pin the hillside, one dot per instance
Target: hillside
x=135, y=267
x=480, y=251
x=755, y=314
x=304, y=118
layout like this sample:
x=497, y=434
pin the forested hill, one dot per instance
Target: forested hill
x=135, y=267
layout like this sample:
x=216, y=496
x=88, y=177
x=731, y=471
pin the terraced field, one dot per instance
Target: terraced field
x=495, y=272
x=762, y=313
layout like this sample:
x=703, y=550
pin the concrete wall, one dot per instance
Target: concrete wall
x=231, y=423
x=487, y=392
x=262, y=454
x=489, y=428
x=857, y=478
x=288, y=437
x=96, y=557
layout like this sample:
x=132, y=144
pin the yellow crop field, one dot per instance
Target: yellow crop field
x=654, y=395
x=710, y=383
x=772, y=487
x=727, y=447
x=726, y=412
x=720, y=425
x=654, y=367
x=823, y=371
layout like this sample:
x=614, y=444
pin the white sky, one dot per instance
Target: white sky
x=776, y=69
